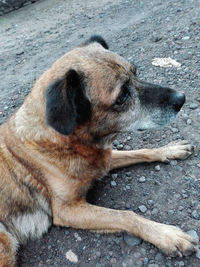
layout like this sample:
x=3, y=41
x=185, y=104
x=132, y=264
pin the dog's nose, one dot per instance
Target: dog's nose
x=178, y=99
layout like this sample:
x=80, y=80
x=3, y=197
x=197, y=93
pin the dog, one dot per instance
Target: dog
x=60, y=141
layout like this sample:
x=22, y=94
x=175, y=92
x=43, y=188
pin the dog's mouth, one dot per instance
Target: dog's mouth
x=141, y=129
x=153, y=118
x=157, y=111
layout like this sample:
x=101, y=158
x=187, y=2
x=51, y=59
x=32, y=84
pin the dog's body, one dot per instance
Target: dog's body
x=59, y=142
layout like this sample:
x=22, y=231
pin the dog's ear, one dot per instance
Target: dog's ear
x=97, y=39
x=66, y=103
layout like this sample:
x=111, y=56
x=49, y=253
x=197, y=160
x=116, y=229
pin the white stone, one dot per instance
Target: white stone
x=71, y=256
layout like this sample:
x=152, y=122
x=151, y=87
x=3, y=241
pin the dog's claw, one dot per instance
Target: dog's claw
x=179, y=254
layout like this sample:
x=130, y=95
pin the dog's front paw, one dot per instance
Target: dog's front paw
x=176, y=150
x=174, y=242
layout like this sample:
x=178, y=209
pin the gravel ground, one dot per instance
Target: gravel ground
x=33, y=37
x=10, y=5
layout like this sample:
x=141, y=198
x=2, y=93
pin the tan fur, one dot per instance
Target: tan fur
x=6, y=259
x=59, y=170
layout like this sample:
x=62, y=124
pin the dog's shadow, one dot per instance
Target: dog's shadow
x=95, y=192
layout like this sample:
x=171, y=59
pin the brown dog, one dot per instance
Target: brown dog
x=59, y=142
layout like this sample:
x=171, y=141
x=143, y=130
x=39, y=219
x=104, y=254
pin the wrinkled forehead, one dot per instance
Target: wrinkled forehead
x=105, y=71
x=93, y=58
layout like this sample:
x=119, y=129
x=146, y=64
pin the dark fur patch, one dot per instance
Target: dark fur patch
x=157, y=96
x=66, y=103
x=97, y=39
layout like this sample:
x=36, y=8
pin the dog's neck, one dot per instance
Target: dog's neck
x=26, y=126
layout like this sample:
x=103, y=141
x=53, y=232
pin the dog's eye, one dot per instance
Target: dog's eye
x=123, y=96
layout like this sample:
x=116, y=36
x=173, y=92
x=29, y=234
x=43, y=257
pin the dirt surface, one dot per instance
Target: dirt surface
x=33, y=37
x=9, y=5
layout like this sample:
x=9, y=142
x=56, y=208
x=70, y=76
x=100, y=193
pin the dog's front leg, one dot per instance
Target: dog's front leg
x=174, y=150
x=86, y=216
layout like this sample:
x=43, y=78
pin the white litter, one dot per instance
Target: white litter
x=165, y=62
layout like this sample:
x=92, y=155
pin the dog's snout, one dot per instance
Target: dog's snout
x=178, y=99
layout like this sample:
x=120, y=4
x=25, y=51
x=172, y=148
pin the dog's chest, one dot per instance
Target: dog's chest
x=33, y=224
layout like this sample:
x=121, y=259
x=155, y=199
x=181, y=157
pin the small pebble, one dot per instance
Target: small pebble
x=131, y=240
x=98, y=253
x=176, y=196
x=76, y=235
x=142, y=179
x=193, y=106
x=113, y=261
x=142, y=208
x=189, y=210
x=127, y=147
x=157, y=168
x=156, y=39
x=186, y=38
x=170, y=212
x=145, y=261
x=154, y=211
x=116, y=143
x=187, y=178
x=169, y=264
x=159, y=257
x=198, y=253
x=173, y=162
x=136, y=255
x=185, y=116
x=120, y=147
x=189, y=121
x=20, y=53
x=180, y=263
x=194, y=235
x=175, y=130
x=195, y=214
x=114, y=175
x=157, y=182
x=113, y=183
x=150, y=202
x=179, y=168
x=71, y=256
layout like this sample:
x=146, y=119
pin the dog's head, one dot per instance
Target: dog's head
x=98, y=92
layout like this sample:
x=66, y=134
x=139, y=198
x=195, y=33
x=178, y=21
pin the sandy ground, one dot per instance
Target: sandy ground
x=33, y=37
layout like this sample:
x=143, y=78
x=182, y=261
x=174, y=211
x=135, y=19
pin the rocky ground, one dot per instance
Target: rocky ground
x=10, y=5
x=34, y=36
